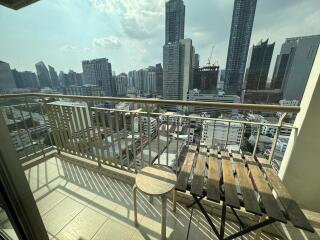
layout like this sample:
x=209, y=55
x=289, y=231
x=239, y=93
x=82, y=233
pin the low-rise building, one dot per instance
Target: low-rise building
x=196, y=95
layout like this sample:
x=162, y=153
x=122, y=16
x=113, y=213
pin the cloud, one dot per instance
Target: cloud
x=67, y=48
x=107, y=42
x=139, y=19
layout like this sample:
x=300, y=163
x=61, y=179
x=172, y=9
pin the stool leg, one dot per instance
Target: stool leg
x=163, y=217
x=174, y=200
x=134, y=189
x=258, y=232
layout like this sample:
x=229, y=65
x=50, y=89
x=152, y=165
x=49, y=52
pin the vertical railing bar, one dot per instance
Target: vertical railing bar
x=276, y=136
x=110, y=123
x=118, y=138
x=149, y=134
x=77, y=132
x=177, y=149
x=167, y=141
x=141, y=140
x=17, y=129
x=34, y=126
x=126, y=138
x=73, y=131
x=82, y=133
x=100, y=147
x=68, y=119
x=45, y=122
x=60, y=119
x=55, y=130
x=86, y=122
x=189, y=127
x=26, y=128
x=226, y=143
x=257, y=141
x=106, y=136
x=133, y=141
x=214, y=129
x=158, y=138
x=242, y=135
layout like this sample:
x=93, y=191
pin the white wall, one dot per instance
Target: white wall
x=301, y=163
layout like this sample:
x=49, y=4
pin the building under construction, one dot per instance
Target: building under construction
x=206, y=78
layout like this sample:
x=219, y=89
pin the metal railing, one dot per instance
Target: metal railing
x=129, y=139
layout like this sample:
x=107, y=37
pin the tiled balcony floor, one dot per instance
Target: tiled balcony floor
x=77, y=203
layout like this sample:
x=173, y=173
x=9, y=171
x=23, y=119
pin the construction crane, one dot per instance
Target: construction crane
x=209, y=59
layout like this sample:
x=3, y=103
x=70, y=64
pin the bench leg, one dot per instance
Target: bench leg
x=258, y=232
x=174, y=200
x=134, y=189
x=163, y=217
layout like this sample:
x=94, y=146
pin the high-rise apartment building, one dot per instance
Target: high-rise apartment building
x=293, y=66
x=25, y=79
x=43, y=75
x=240, y=34
x=99, y=72
x=54, y=77
x=6, y=77
x=177, y=69
x=178, y=53
x=122, y=84
x=196, y=60
x=159, y=79
x=258, y=66
x=75, y=78
x=175, y=15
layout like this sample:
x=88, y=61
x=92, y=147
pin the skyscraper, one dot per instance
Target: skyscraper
x=43, y=75
x=175, y=15
x=54, y=77
x=240, y=34
x=177, y=69
x=6, y=78
x=293, y=65
x=159, y=79
x=178, y=53
x=99, y=72
x=122, y=84
x=258, y=66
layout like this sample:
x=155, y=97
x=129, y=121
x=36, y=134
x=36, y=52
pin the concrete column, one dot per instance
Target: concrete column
x=300, y=168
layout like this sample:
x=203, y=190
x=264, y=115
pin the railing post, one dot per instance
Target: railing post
x=226, y=143
x=275, y=138
x=257, y=141
x=242, y=134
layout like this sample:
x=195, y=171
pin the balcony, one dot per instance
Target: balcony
x=80, y=156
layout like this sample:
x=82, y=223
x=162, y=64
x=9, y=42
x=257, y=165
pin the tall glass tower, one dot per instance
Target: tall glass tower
x=175, y=14
x=240, y=34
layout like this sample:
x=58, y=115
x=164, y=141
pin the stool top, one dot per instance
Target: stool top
x=156, y=180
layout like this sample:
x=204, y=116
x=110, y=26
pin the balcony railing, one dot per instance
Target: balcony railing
x=93, y=128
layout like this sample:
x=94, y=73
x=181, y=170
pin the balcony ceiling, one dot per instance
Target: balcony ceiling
x=16, y=4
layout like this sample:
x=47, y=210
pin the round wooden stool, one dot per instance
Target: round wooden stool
x=156, y=181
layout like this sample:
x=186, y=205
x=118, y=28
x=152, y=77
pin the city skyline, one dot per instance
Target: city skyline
x=205, y=26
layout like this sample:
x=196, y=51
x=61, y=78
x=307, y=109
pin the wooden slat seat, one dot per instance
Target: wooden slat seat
x=182, y=182
x=199, y=171
x=247, y=191
x=269, y=202
x=230, y=190
x=213, y=184
x=293, y=210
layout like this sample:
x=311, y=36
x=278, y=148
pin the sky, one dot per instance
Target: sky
x=130, y=33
